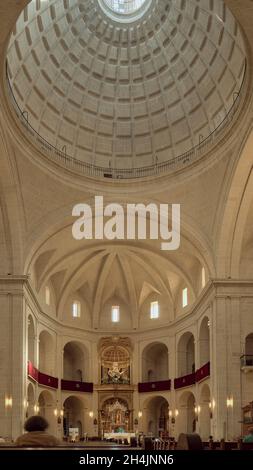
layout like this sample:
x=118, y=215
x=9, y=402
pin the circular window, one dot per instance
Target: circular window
x=125, y=10
x=124, y=7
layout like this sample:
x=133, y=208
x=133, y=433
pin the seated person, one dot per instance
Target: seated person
x=36, y=434
x=249, y=436
x=189, y=442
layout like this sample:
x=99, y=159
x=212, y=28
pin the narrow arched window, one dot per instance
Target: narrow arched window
x=203, y=277
x=154, y=310
x=76, y=309
x=115, y=313
x=185, y=297
x=47, y=295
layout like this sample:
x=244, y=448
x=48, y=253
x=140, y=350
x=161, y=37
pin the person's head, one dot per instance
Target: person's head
x=250, y=430
x=36, y=423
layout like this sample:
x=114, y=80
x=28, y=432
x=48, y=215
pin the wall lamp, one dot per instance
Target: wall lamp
x=230, y=402
x=58, y=415
x=8, y=402
x=197, y=410
x=36, y=409
x=173, y=418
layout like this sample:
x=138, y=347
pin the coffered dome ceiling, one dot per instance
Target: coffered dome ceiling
x=125, y=93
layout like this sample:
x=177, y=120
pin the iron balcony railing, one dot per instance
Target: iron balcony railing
x=62, y=158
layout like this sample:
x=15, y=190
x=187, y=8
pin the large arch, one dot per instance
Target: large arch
x=186, y=416
x=234, y=213
x=31, y=340
x=205, y=413
x=155, y=362
x=249, y=349
x=75, y=362
x=156, y=416
x=204, y=341
x=74, y=415
x=186, y=354
x=46, y=353
x=46, y=409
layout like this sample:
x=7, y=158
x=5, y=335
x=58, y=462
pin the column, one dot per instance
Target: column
x=220, y=369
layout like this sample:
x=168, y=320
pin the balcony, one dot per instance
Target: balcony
x=53, y=382
x=185, y=381
x=40, y=378
x=247, y=363
x=73, y=386
x=203, y=372
x=47, y=380
x=32, y=372
x=159, y=386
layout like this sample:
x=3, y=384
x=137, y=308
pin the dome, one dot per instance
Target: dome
x=125, y=95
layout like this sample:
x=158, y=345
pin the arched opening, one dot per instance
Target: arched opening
x=47, y=295
x=249, y=348
x=30, y=400
x=203, y=277
x=76, y=309
x=115, y=416
x=205, y=413
x=204, y=342
x=186, y=354
x=155, y=363
x=46, y=353
x=46, y=409
x=74, y=417
x=75, y=362
x=187, y=415
x=156, y=416
x=247, y=378
x=31, y=340
x=115, y=365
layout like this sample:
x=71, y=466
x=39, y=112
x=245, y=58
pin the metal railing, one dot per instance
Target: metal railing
x=247, y=360
x=63, y=159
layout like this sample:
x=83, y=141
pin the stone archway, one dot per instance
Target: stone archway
x=46, y=353
x=46, y=409
x=155, y=363
x=186, y=354
x=156, y=416
x=186, y=420
x=74, y=416
x=75, y=362
x=204, y=342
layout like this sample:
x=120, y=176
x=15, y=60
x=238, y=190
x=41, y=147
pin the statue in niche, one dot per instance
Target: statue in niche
x=115, y=373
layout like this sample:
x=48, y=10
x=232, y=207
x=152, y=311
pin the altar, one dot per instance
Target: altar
x=119, y=436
